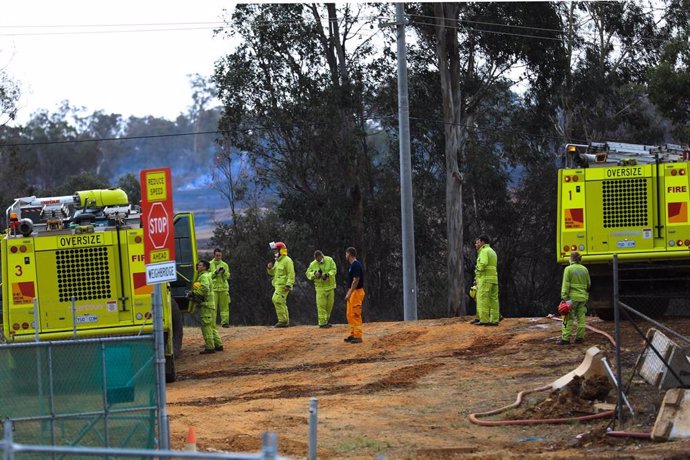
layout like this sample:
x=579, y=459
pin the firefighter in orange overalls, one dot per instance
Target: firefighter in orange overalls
x=354, y=296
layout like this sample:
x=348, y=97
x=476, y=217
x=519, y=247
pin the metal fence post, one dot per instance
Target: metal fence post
x=313, y=421
x=617, y=319
x=163, y=433
x=269, y=445
x=8, y=448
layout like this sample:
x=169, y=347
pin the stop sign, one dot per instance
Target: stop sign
x=158, y=225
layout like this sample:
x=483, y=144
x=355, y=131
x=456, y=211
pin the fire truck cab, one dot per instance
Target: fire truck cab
x=73, y=266
x=630, y=200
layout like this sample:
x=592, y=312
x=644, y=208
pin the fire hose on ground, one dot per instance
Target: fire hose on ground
x=476, y=417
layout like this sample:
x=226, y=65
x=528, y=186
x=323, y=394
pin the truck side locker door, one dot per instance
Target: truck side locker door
x=186, y=255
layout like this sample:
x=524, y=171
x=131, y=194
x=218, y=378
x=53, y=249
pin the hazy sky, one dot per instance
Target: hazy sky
x=126, y=56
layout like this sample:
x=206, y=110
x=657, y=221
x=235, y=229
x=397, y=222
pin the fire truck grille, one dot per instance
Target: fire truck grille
x=83, y=274
x=625, y=203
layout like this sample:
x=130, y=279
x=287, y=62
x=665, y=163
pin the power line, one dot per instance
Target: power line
x=102, y=32
x=110, y=139
x=145, y=24
x=484, y=129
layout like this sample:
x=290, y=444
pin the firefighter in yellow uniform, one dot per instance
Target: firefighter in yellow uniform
x=575, y=291
x=322, y=271
x=220, y=274
x=486, y=280
x=282, y=272
x=203, y=291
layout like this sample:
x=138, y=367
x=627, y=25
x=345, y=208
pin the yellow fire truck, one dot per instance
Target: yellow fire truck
x=73, y=266
x=630, y=200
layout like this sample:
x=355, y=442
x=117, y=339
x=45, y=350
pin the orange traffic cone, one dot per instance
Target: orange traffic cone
x=190, y=442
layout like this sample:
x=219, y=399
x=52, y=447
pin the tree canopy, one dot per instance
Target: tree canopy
x=307, y=145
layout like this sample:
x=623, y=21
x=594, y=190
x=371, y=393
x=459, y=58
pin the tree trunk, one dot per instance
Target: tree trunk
x=449, y=69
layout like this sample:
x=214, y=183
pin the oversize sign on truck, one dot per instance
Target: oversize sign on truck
x=157, y=222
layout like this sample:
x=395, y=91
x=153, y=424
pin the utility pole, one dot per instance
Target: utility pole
x=409, y=270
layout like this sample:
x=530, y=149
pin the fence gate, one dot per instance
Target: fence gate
x=88, y=392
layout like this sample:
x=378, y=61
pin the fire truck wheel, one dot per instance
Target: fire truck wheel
x=170, y=374
x=177, y=329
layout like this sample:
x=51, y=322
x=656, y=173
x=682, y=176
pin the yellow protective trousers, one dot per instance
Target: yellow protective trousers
x=487, y=302
x=207, y=315
x=354, y=312
x=223, y=306
x=578, y=311
x=324, y=305
x=280, y=303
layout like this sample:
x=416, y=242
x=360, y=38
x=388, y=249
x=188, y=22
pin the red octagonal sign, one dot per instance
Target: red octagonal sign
x=158, y=225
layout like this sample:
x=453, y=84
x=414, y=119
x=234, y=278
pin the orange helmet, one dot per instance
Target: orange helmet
x=277, y=245
x=564, y=308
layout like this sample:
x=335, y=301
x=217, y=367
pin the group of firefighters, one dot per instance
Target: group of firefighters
x=210, y=292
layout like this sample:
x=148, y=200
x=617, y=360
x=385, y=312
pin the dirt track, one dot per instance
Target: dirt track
x=405, y=392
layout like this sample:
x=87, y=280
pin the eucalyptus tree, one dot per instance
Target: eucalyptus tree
x=297, y=93
x=669, y=81
x=610, y=47
x=9, y=96
x=477, y=46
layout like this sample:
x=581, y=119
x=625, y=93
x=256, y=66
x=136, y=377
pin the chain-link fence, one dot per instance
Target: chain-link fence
x=90, y=392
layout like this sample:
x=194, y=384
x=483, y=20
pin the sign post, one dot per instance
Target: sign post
x=159, y=250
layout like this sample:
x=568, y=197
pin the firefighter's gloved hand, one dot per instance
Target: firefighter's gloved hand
x=317, y=274
x=325, y=276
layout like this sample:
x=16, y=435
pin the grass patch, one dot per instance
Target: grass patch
x=353, y=444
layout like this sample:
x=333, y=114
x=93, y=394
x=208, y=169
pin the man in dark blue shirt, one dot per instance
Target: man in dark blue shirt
x=354, y=296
